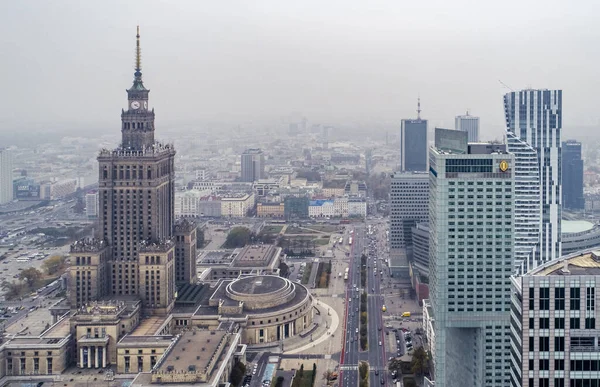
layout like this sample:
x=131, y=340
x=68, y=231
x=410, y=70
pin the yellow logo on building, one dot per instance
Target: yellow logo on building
x=503, y=165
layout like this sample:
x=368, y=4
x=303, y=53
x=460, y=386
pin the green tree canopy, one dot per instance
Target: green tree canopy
x=53, y=264
x=30, y=276
x=237, y=237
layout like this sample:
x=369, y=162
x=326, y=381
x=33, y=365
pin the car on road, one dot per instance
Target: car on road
x=376, y=372
x=380, y=343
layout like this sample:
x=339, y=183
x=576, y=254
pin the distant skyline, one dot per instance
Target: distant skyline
x=67, y=63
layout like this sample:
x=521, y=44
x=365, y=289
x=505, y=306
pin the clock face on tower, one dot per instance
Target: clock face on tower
x=145, y=105
x=135, y=105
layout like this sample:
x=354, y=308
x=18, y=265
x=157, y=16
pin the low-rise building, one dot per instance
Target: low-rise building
x=54, y=190
x=340, y=207
x=237, y=206
x=355, y=188
x=270, y=210
x=46, y=354
x=577, y=235
x=321, y=208
x=195, y=357
x=357, y=208
x=252, y=259
x=333, y=188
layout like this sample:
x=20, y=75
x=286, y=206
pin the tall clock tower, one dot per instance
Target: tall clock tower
x=137, y=122
x=136, y=188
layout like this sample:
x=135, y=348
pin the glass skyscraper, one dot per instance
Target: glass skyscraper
x=535, y=118
x=572, y=175
x=470, y=263
x=527, y=202
x=413, y=144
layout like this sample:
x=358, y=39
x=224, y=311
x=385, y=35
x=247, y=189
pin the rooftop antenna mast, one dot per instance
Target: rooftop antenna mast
x=138, y=51
x=419, y=108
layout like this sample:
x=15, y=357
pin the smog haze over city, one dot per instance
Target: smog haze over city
x=351, y=63
x=299, y=193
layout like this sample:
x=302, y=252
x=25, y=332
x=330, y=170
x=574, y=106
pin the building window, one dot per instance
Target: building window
x=590, y=323
x=574, y=323
x=559, y=364
x=574, y=301
x=544, y=344
x=544, y=298
x=590, y=299
x=559, y=323
x=559, y=299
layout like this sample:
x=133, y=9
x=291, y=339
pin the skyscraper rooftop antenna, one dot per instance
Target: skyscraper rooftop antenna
x=138, y=52
x=418, y=108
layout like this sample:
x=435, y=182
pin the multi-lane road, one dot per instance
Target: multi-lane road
x=351, y=354
x=351, y=347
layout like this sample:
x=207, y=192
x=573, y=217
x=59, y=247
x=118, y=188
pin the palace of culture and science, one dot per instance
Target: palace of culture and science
x=134, y=302
x=136, y=254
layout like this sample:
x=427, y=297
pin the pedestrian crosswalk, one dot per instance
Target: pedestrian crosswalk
x=349, y=367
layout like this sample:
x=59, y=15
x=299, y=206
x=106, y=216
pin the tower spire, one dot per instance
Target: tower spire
x=138, y=53
x=419, y=108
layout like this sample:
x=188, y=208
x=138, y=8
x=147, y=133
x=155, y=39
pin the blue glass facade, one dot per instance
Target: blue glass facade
x=572, y=175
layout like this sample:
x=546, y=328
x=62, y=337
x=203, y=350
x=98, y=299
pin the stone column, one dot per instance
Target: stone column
x=90, y=356
x=97, y=365
x=104, y=357
x=80, y=357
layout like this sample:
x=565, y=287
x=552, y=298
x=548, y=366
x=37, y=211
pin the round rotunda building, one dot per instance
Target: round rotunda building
x=275, y=308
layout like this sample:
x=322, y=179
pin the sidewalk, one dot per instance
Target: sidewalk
x=321, y=334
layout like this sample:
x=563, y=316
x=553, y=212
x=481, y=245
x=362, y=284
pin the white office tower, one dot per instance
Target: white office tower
x=470, y=264
x=6, y=179
x=469, y=124
x=527, y=202
x=535, y=117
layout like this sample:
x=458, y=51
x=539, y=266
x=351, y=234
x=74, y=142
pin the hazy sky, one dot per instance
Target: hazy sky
x=69, y=62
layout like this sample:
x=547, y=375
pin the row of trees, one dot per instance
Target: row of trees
x=364, y=340
x=301, y=378
x=240, y=236
x=363, y=271
x=418, y=366
x=323, y=275
x=237, y=373
x=363, y=373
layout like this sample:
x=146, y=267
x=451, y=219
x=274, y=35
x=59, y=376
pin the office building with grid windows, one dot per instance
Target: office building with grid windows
x=409, y=204
x=471, y=242
x=554, y=323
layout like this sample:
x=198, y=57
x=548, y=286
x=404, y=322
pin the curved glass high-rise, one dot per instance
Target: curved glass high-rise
x=535, y=117
x=527, y=201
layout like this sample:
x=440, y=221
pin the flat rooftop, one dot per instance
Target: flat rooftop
x=148, y=326
x=193, y=351
x=255, y=256
x=61, y=329
x=163, y=341
x=258, y=285
x=575, y=226
x=32, y=324
x=215, y=258
x=579, y=263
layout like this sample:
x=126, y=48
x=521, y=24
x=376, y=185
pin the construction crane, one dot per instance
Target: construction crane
x=505, y=85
